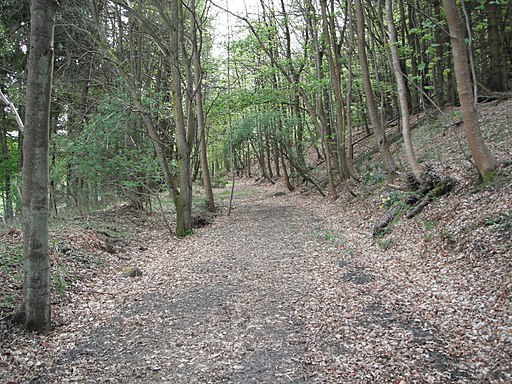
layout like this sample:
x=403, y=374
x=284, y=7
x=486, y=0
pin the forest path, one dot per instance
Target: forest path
x=233, y=303
x=287, y=289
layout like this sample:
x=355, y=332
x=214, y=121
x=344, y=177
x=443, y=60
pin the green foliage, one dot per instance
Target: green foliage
x=391, y=199
x=384, y=244
x=260, y=127
x=218, y=182
x=11, y=258
x=111, y=151
x=488, y=176
x=8, y=302
x=501, y=223
x=199, y=204
x=11, y=265
x=327, y=235
x=373, y=174
x=9, y=167
x=60, y=278
x=429, y=226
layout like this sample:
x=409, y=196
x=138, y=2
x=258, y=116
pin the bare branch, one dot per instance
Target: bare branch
x=14, y=111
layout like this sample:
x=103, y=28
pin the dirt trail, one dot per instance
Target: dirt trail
x=279, y=292
x=224, y=306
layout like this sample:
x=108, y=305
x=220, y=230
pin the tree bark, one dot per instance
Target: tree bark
x=439, y=68
x=320, y=114
x=483, y=158
x=4, y=158
x=402, y=94
x=182, y=197
x=497, y=78
x=160, y=151
x=287, y=182
x=380, y=135
x=335, y=81
x=198, y=78
x=36, y=290
x=350, y=151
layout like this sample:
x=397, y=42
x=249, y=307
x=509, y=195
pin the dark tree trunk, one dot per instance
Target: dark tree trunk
x=497, y=78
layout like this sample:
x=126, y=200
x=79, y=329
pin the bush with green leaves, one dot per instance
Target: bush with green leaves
x=112, y=151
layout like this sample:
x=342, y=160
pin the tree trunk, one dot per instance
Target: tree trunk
x=4, y=158
x=497, y=78
x=439, y=67
x=294, y=77
x=484, y=160
x=198, y=78
x=413, y=43
x=269, y=157
x=403, y=39
x=36, y=313
x=287, y=182
x=402, y=94
x=350, y=152
x=182, y=197
x=380, y=135
x=276, y=160
x=335, y=81
x=321, y=119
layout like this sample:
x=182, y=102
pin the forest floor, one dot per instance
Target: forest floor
x=290, y=288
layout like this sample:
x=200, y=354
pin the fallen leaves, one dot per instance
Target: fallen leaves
x=288, y=289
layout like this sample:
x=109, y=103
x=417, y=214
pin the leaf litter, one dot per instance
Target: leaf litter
x=289, y=288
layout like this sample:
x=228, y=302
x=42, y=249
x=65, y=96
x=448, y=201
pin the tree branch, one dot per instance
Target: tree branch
x=14, y=111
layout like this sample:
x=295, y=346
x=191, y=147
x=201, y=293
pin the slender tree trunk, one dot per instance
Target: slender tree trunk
x=403, y=39
x=248, y=160
x=380, y=135
x=201, y=125
x=335, y=80
x=293, y=74
x=484, y=160
x=4, y=157
x=261, y=161
x=402, y=94
x=269, y=158
x=350, y=151
x=182, y=197
x=323, y=127
x=36, y=313
x=286, y=177
x=413, y=43
x=438, y=69
x=276, y=159
x=53, y=207
x=497, y=77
